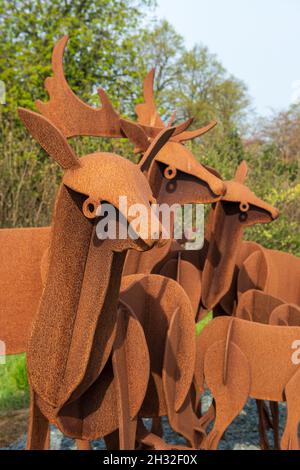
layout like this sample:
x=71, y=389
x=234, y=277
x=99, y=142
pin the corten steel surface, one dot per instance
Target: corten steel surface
x=74, y=117
x=266, y=278
x=91, y=324
x=66, y=395
x=213, y=271
x=211, y=277
x=239, y=208
x=285, y=314
x=256, y=305
x=200, y=180
x=21, y=285
x=175, y=175
x=273, y=272
x=166, y=315
x=74, y=331
x=249, y=360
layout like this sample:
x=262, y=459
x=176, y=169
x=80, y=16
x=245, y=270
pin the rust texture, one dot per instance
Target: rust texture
x=61, y=392
x=109, y=326
x=210, y=275
x=258, y=365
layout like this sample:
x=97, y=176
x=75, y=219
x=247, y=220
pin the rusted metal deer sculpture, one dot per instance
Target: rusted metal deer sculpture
x=76, y=329
x=211, y=277
x=90, y=206
x=178, y=172
x=278, y=301
x=75, y=321
x=29, y=245
x=238, y=209
x=238, y=359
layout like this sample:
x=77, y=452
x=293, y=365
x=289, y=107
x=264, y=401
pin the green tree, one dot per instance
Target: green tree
x=195, y=84
x=101, y=51
x=204, y=89
x=274, y=160
x=161, y=47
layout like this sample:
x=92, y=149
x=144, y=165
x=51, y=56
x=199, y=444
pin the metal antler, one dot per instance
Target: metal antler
x=148, y=115
x=71, y=115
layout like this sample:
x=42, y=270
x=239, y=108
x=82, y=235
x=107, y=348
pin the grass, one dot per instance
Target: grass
x=202, y=323
x=14, y=393
x=14, y=399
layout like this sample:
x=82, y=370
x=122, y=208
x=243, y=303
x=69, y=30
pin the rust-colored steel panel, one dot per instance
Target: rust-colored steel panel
x=249, y=359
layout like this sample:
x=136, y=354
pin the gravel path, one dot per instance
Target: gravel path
x=241, y=435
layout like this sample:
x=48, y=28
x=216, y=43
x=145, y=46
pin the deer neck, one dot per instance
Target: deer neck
x=224, y=234
x=143, y=262
x=74, y=329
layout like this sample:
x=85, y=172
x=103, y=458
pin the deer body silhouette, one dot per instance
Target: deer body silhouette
x=73, y=117
x=249, y=360
x=64, y=398
x=75, y=327
x=209, y=275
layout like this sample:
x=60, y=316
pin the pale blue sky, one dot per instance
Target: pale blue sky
x=256, y=40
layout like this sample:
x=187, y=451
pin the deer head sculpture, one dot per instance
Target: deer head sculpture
x=175, y=175
x=177, y=172
x=79, y=301
x=71, y=117
x=238, y=209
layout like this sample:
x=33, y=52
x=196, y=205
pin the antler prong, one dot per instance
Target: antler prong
x=190, y=135
x=172, y=118
x=147, y=112
x=71, y=115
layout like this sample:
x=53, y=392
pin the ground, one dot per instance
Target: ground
x=241, y=435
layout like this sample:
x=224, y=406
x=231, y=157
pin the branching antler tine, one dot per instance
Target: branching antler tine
x=135, y=134
x=183, y=126
x=71, y=115
x=190, y=135
x=172, y=118
x=106, y=103
x=147, y=112
x=149, y=86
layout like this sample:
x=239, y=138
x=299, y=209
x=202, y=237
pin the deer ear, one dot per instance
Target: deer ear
x=135, y=134
x=241, y=172
x=50, y=138
x=155, y=147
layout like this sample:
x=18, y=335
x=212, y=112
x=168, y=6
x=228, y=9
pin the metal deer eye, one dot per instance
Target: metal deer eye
x=244, y=206
x=90, y=208
x=170, y=172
